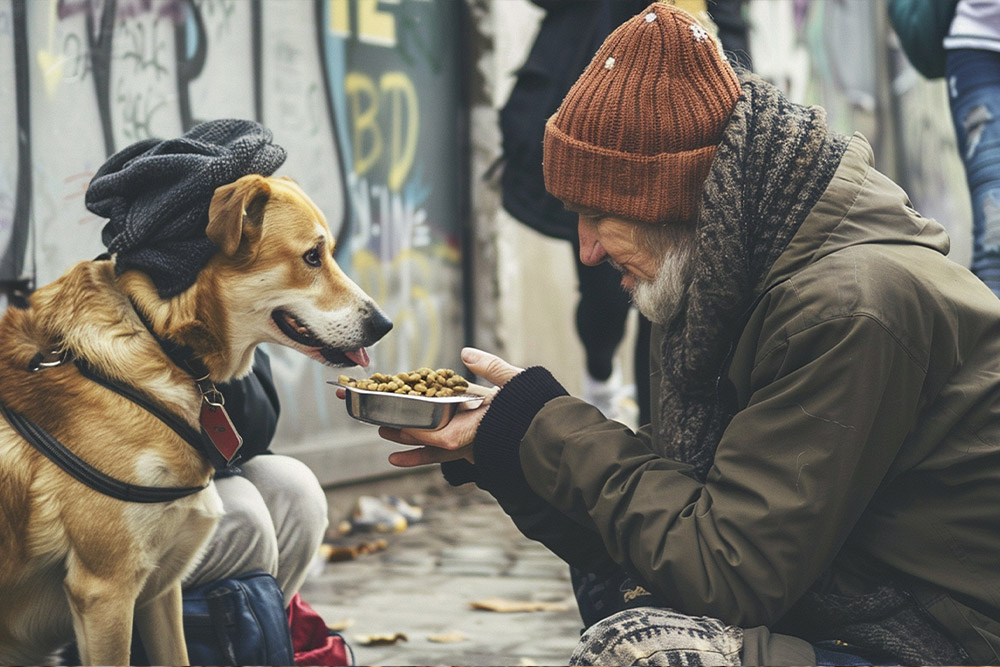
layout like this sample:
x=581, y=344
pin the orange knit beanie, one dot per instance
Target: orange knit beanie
x=636, y=133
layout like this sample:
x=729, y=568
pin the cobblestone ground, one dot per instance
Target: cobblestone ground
x=423, y=582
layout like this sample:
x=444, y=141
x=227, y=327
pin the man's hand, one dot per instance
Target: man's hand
x=454, y=441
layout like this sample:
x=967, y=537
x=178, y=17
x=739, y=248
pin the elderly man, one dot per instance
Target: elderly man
x=821, y=480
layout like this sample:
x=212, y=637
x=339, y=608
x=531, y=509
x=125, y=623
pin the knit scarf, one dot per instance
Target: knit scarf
x=774, y=161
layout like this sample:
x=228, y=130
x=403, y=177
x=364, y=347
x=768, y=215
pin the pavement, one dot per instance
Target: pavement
x=411, y=600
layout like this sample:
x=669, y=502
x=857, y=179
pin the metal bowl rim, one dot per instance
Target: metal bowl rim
x=462, y=398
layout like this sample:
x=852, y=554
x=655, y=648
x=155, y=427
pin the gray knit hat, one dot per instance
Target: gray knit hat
x=156, y=195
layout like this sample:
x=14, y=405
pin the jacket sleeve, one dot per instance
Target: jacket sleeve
x=829, y=408
x=498, y=471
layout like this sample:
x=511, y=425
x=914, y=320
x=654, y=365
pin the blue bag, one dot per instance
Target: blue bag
x=238, y=621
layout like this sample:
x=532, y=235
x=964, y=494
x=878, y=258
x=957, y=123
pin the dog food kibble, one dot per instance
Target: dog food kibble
x=421, y=382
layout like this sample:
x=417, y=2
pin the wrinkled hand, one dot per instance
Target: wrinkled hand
x=454, y=441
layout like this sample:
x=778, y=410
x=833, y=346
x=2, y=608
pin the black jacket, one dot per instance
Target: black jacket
x=252, y=404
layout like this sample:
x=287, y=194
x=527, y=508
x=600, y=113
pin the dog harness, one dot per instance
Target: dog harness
x=224, y=441
x=76, y=467
x=83, y=472
x=218, y=440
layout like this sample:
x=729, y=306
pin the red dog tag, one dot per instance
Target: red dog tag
x=219, y=427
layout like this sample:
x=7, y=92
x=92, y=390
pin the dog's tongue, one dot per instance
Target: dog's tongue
x=358, y=356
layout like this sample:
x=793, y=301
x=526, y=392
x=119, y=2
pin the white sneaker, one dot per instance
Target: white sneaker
x=412, y=513
x=614, y=399
x=601, y=393
x=374, y=514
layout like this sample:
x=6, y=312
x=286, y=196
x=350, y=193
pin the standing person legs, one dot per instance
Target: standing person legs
x=973, y=78
x=601, y=314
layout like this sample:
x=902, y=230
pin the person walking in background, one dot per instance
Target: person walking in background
x=567, y=38
x=820, y=480
x=960, y=40
x=972, y=71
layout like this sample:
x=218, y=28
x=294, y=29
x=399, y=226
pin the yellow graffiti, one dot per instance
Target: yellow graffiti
x=374, y=26
x=404, y=123
x=405, y=108
x=363, y=98
x=424, y=337
x=368, y=275
x=340, y=17
x=414, y=312
x=49, y=62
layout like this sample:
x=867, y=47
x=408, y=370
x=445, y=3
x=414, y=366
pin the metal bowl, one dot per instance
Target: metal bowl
x=402, y=410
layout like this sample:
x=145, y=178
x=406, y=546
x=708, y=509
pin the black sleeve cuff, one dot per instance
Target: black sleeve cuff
x=459, y=472
x=498, y=439
x=498, y=471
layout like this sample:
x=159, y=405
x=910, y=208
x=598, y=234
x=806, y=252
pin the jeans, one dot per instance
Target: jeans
x=837, y=653
x=973, y=78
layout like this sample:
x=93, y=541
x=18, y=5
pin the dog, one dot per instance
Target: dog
x=76, y=562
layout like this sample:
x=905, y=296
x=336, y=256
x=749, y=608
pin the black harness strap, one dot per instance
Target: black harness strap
x=85, y=473
x=188, y=433
x=182, y=356
x=194, y=437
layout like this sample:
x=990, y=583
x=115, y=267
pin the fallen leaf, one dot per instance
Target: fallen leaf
x=342, y=624
x=372, y=547
x=506, y=606
x=332, y=553
x=447, y=638
x=380, y=640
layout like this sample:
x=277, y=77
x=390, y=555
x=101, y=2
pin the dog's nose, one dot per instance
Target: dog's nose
x=377, y=324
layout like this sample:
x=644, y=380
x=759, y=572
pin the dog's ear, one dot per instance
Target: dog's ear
x=237, y=211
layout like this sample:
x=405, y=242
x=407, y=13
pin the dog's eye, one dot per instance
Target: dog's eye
x=312, y=257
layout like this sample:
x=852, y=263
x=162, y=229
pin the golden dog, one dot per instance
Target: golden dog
x=75, y=561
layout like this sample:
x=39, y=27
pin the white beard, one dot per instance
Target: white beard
x=660, y=299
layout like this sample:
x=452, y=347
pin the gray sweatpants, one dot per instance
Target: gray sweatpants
x=275, y=518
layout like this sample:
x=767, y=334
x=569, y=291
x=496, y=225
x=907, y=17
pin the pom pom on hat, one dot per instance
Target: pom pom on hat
x=156, y=196
x=636, y=134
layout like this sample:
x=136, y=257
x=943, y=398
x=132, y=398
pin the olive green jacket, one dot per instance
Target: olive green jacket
x=866, y=441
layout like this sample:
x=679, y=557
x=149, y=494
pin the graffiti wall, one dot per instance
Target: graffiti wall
x=363, y=94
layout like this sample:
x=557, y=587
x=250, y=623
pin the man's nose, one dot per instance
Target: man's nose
x=591, y=252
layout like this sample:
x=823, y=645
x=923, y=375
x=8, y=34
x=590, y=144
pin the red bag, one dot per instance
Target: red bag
x=314, y=643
